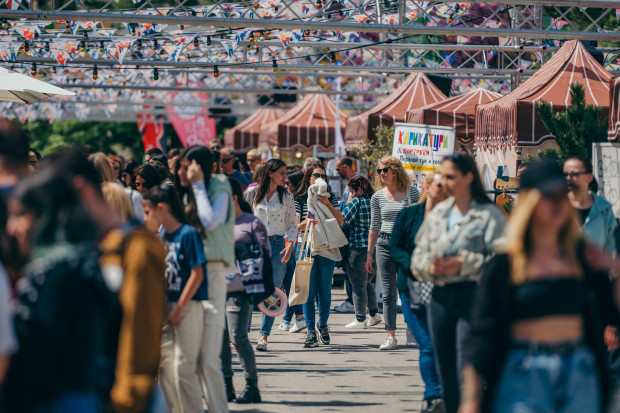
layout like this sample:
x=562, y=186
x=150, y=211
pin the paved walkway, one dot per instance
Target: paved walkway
x=351, y=374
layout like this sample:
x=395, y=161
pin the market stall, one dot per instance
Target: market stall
x=415, y=92
x=313, y=121
x=509, y=128
x=457, y=112
x=244, y=136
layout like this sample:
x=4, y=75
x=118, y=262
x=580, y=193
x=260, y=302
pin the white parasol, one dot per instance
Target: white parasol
x=15, y=87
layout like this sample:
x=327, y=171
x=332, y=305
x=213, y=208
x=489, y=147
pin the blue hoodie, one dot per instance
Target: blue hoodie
x=600, y=223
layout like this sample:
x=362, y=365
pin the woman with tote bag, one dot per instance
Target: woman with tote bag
x=323, y=267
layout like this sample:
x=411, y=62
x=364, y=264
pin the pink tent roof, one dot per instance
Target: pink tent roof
x=457, y=112
x=311, y=122
x=415, y=92
x=513, y=120
x=614, y=111
x=244, y=136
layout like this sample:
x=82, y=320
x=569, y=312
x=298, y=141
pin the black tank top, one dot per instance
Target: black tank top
x=547, y=297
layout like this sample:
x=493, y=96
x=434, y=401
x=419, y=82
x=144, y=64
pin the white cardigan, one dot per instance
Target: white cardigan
x=327, y=237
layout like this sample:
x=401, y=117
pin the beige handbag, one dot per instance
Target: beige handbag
x=301, y=278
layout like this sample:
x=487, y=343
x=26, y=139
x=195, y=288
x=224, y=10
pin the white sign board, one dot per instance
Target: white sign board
x=606, y=165
x=421, y=148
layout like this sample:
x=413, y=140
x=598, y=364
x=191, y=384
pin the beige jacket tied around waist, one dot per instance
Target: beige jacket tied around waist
x=476, y=238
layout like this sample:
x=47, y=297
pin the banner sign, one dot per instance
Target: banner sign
x=421, y=148
x=194, y=126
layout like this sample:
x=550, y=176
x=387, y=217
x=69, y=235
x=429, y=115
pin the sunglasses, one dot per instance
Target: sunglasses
x=140, y=185
x=287, y=183
x=320, y=176
x=383, y=170
x=227, y=160
x=216, y=147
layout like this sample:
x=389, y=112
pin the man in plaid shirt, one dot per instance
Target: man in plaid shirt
x=356, y=214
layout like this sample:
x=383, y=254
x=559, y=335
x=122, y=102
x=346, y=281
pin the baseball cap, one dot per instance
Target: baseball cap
x=545, y=176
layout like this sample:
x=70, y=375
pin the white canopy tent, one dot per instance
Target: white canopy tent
x=15, y=87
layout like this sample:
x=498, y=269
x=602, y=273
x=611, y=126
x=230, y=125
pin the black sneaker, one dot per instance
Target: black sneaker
x=323, y=333
x=311, y=340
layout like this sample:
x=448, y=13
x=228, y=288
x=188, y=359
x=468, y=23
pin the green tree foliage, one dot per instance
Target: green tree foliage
x=576, y=128
x=371, y=151
x=105, y=137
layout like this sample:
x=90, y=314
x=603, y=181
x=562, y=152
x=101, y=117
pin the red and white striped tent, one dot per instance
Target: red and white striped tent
x=512, y=120
x=311, y=122
x=457, y=112
x=415, y=92
x=614, y=111
x=244, y=136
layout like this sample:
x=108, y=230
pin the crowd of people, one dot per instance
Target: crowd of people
x=125, y=287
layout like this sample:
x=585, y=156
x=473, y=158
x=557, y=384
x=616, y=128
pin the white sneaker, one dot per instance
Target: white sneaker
x=298, y=325
x=284, y=325
x=345, y=307
x=356, y=324
x=373, y=321
x=390, y=344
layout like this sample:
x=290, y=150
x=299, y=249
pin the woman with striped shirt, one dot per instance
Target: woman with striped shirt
x=395, y=193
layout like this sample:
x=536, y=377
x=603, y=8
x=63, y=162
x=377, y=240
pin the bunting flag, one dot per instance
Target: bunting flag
x=119, y=49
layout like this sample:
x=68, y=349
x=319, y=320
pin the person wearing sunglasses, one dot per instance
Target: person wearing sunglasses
x=146, y=177
x=215, y=145
x=253, y=158
x=228, y=169
x=323, y=268
x=396, y=193
x=596, y=213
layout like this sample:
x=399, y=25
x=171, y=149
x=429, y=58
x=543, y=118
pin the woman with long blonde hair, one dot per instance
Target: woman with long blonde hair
x=538, y=324
x=394, y=193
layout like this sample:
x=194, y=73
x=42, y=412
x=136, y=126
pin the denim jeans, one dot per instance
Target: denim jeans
x=449, y=318
x=279, y=271
x=419, y=328
x=70, y=402
x=539, y=381
x=321, y=287
x=386, y=267
x=238, y=312
x=288, y=280
x=364, y=293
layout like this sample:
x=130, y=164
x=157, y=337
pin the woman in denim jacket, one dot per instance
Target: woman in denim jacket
x=455, y=241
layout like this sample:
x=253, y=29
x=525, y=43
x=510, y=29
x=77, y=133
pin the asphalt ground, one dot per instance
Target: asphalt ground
x=351, y=374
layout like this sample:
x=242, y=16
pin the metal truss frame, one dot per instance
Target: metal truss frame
x=393, y=38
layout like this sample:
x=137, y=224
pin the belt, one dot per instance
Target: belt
x=384, y=235
x=555, y=348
